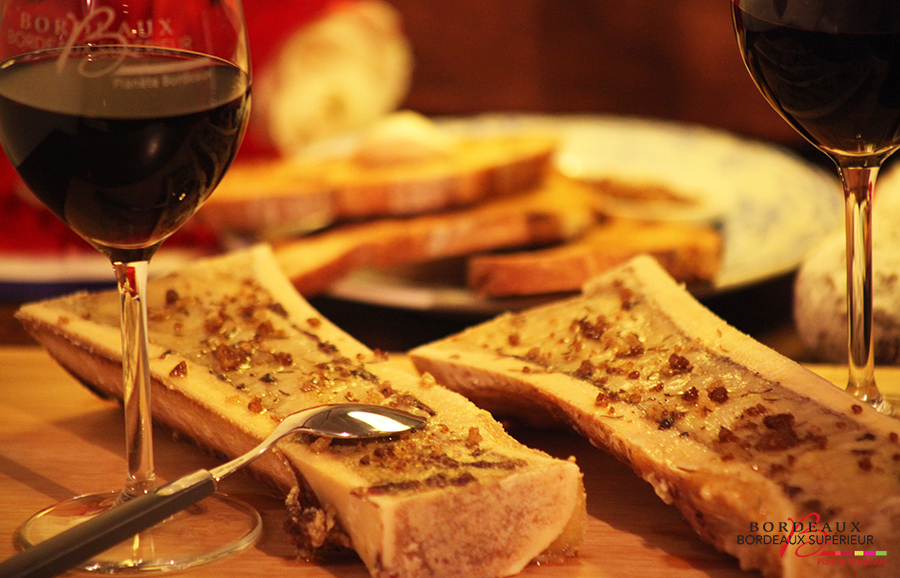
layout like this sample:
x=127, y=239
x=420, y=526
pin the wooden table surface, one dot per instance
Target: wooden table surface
x=59, y=440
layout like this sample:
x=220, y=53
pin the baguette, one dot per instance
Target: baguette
x=277, y=197
x=558, y=210
x=234, y=349
x=692, y=254
x=741, y=440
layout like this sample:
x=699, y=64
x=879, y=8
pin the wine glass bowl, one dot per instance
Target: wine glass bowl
x=126, y=166
x=831, y=69
x=122, y=116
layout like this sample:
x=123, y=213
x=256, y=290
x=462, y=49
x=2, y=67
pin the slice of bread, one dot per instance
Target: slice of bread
x=233, y=349
x=740, y=439
x=558, y=210
x=690, y=253
x=274, y=198
x=656, y=200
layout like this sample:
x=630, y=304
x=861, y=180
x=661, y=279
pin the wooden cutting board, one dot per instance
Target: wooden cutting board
x=59, y=440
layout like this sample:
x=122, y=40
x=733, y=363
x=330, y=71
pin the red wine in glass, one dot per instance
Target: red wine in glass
x=831, y=68
x=128, y=172
x=836, y=84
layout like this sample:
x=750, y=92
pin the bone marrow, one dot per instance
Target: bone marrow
x=728, y=431
x=234, y=349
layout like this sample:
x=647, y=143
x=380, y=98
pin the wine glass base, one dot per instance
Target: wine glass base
x=884, y=406
x=212, y=529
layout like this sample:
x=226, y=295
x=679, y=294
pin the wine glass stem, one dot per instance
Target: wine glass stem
x=132, y=280
x=859, y=184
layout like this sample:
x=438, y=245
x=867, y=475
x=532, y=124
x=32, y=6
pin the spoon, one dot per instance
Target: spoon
x=79, y=543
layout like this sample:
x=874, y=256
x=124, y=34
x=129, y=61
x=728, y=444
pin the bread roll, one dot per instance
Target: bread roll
x=336, y=74
x=820, y=292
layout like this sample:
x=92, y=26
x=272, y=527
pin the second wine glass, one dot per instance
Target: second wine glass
x=831, y=68
x=122, y=116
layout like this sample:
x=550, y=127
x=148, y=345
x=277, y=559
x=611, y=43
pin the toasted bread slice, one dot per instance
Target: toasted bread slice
x=273, y=198
x=559, y=209
x=234, y=349
x=690, y=253
x=656, y=200
x=740, y=439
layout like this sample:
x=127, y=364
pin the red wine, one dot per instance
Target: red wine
x=834, y=76
x=123, y=146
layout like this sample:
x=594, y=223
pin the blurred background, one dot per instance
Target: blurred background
x=672, y=60
x=669, y=60
x=676, y=59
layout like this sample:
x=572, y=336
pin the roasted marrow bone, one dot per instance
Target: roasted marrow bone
x=234, y=349
x=740, y=439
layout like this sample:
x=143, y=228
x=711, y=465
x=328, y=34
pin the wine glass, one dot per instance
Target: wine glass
x=122, y=116
x=831, y=68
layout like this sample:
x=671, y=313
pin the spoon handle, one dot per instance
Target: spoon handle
x=79, y=543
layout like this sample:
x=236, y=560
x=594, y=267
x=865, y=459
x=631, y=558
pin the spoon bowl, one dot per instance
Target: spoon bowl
x=342, y=420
